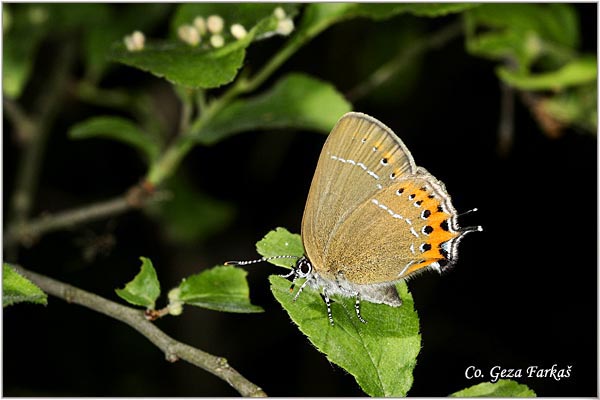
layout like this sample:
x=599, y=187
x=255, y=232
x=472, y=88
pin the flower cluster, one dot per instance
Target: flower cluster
x=135, y=41
x=212, y=31
x=285, y=25
x=211, y=28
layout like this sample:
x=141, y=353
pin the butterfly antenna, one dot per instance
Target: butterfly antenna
x=262, y=259
x=468, y=229
x=472, y=210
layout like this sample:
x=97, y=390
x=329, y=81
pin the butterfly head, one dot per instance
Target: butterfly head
x=303, y=268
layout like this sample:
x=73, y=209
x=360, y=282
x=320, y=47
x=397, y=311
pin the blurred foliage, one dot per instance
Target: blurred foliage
x=537, y=46
x=192, y=216
x=26, y=26
x=296, y=101
x=119, y=129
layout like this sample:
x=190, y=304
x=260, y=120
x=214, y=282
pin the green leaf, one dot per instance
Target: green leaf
x=17, y=289
x=555, y=22
x=182, y=64
x=387, y=10
x=190, y=216
x=523, y=32
x=280, y=242
x=21, y=39
x=380, y=354
x=295, y=101
x=390, y=336
x=116, y=128
x=577, y=106
x=144, y=289
x=577, y=72
x=320, y=16
x=222, y=288
x=502, y=388
x=200, y=66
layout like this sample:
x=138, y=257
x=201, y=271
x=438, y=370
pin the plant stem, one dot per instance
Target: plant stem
x=24, y=127
x=173, y=349
x=506, y=126
x=48, y=106
x=171, y=158
x=403, y=59
x=300, y=38
x=27, y=232
x=187, y=109
x=169, y=161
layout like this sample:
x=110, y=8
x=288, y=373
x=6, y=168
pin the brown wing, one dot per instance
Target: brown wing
x=399, y=231
x=360, y=158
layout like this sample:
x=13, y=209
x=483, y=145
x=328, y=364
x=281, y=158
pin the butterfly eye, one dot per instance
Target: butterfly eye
x=304, y=268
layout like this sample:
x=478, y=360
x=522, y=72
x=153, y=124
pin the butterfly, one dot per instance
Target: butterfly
x=372, y=218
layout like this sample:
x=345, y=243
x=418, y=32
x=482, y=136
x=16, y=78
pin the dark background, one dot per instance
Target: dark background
x=523, y=293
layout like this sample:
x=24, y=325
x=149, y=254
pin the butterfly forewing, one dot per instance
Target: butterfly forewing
x=361, y=158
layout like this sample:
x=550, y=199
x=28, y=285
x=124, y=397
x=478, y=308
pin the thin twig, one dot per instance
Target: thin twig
x=549, y=124
x=27, y=232
x=23, y=125
x=173, y=349
x=403, y=59
x=506, y=126
x=47, y=107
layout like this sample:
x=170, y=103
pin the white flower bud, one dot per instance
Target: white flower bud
x=176, y=308
x=174, y=294
x=279, y=13
x=200, y=24
x=285, y=26
x=215, y=24
x=135, y=41
x=217, y=41
x=189, y=34
x=238, y=31
x=533, y=45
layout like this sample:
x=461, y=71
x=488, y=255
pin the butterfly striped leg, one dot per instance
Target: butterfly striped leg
x=300, y=289
x=357, y=308
x=327, y=301
x=338, y=278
